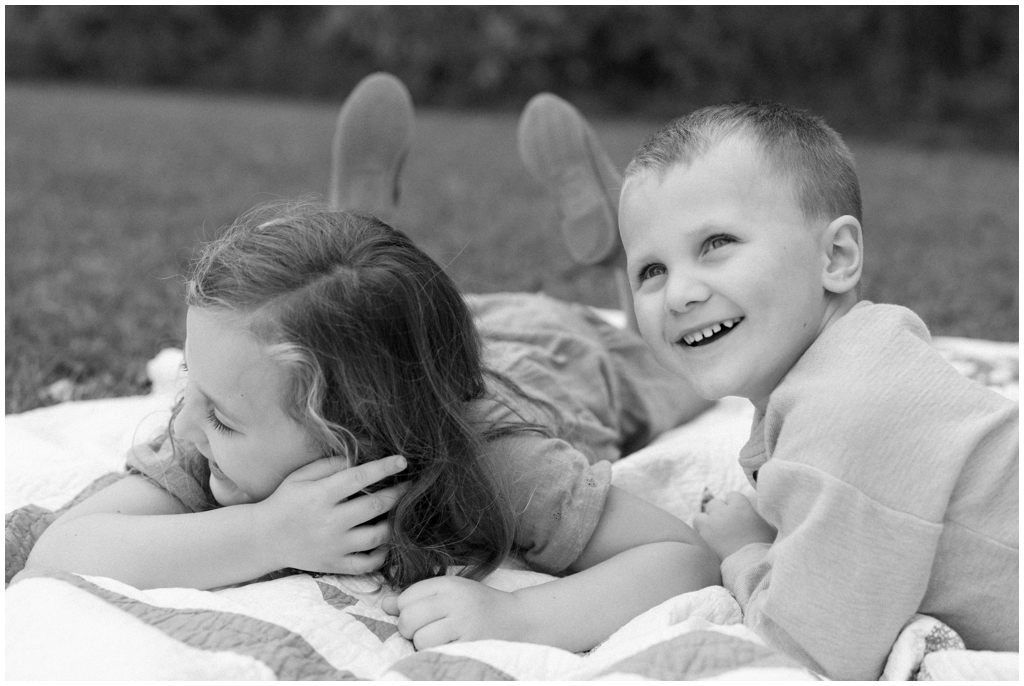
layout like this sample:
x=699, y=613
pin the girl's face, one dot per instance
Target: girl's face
x=233, y=412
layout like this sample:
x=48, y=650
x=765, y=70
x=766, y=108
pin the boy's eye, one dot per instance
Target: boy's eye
x=650, y=271
x=716, y=242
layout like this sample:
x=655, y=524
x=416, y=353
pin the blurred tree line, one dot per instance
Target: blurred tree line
x=891, y=71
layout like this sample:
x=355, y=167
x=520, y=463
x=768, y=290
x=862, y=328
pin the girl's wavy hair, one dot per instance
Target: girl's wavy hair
x=383, y=358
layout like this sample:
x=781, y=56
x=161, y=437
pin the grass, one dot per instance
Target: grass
x=109, y=191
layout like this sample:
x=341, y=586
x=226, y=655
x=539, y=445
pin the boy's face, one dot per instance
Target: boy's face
x=726, y=271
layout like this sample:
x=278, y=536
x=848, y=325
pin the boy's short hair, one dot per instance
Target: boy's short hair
x=796, y=144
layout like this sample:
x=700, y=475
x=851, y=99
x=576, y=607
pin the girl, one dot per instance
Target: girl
x=325, y=354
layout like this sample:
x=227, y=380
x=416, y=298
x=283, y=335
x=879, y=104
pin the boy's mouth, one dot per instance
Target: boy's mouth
x=711, y=333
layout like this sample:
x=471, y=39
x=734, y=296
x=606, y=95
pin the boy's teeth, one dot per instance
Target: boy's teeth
x=698, y=336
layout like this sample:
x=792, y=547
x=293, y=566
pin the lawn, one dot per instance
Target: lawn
x=109, y=191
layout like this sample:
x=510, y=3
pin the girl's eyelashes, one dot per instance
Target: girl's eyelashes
x=217, y=424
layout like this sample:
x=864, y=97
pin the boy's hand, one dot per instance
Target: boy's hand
x=314, y=523
x=450, y=608
x=731, y=522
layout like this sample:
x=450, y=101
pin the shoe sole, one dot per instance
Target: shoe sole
x=372, y=138
x=555, y=145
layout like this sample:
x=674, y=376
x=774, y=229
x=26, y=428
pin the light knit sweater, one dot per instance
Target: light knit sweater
x=893, y=483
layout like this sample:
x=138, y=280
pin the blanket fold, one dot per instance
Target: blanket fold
x=66, y=626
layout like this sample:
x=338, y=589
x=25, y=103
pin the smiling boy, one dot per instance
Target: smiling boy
x=887, y=483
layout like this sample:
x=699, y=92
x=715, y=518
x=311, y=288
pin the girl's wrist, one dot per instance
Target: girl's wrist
x=261, y=526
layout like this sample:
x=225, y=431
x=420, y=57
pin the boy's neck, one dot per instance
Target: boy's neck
x=837, y=306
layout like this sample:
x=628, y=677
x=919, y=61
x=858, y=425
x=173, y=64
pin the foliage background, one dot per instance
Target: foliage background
x=132, y=133
x=924, y=73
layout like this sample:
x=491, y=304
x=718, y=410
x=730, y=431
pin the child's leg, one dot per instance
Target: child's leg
x=562, y=151
x=372, y=138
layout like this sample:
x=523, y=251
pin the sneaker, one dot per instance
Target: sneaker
x=371, y=141
x=562, y=151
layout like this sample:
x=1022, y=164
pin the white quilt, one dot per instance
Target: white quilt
x=63, y=626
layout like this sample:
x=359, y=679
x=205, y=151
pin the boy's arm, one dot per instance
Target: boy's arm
x=638, y=557
x=842, y=578
x=136, y=532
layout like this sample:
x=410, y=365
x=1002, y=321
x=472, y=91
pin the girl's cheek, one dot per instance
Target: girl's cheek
x=184, y=427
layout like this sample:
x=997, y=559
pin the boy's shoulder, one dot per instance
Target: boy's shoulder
x=869, y=340
x=874, y=364
x=871, y=330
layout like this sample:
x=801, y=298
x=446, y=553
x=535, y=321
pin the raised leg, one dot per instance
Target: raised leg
x=371, y=141
x=562, y=151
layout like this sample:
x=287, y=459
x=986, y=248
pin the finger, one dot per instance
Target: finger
x=349, y=482
x=413, y=617
x=367, y=538
x=389, y=603
x=735, y=498
x=362, y=563
x=364, y=508
x=420, y=592
x=435, y=634
x=699, y=521
x=320, y=469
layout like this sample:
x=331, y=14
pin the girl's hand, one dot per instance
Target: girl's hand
x=450, y=608
x=731, y=522
x=314, y=523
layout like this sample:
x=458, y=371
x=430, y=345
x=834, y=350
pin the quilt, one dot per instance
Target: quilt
x=66, y=626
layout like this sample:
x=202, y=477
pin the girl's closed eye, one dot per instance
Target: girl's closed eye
x=217, y=424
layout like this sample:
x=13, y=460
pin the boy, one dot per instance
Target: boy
x=890, y=479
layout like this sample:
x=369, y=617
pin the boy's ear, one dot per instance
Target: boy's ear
x=843, y=249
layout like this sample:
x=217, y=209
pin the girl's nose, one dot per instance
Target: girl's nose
x=188, y=423
x=684, y=291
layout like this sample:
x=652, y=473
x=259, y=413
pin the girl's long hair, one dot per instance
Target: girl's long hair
x=383, y=359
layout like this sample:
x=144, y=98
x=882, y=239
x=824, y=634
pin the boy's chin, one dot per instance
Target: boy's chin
x=714, y=390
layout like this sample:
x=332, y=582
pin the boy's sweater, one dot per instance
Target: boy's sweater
x=893, y=483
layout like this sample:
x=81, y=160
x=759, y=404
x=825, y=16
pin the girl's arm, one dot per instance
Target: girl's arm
x=639, y=556
x=136, y=532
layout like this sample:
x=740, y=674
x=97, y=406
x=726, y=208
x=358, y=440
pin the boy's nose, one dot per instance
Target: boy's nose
x=684, y=291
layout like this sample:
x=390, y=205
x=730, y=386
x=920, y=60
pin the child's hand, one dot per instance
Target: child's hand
x=731, y=522
x=312, y=523
x=450, y=608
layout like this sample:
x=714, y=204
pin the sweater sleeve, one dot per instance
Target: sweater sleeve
x=861, y=467
x=834, y=597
